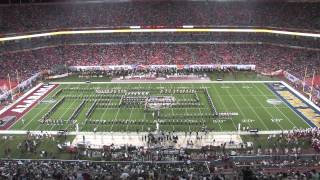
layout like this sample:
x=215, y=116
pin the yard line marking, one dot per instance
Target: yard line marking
x=211, y=112
x=224, y=106
x=144, y=114
x=115, y=118
x=42, y=111
x=183, y=95
x=46, y=108
x=276, y=107
x=245, y=100
x=118, y=109
x=237, y=109
x=65, y=112
x=168, y=82
x=80, y=127
x=199, y=109
x=75, y=100
x=245, y=95
x=203, y=109
x=287, y=107
x=104, y=112
x=262, y=105
x=130, y=114
x=145, y=118
x=172, y=110
x=106, y=109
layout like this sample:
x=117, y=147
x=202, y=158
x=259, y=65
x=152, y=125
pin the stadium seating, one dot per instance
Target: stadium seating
x=25, y=18
x=293, y=154
x=267, y=58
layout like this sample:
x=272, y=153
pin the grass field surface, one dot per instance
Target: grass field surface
x=250, y=102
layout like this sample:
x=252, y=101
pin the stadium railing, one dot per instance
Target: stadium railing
x=190, y=29
x=158, y=27
x=243, y=158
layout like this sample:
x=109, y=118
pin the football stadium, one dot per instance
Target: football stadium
x=160, y=90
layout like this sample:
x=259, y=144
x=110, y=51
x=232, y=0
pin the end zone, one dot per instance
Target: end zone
x=25, y=104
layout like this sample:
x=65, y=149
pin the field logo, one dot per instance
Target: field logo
x=274, y=101
x=33, y=98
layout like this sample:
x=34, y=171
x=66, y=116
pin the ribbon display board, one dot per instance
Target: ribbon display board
x=159, y=67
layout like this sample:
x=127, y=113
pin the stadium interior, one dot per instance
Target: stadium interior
x=160, y=89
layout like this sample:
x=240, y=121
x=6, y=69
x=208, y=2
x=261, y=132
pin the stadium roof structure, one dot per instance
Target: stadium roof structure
x=115, y=1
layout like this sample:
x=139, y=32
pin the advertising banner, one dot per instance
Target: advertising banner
x=291, y=77
x=164, y=66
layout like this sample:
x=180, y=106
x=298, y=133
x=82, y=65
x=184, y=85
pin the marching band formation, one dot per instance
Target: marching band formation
x=152, y=100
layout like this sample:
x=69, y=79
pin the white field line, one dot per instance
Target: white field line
x=65, y=112
x=238, y=108
x=104, y=113
x=289, y=87
x=290, y=107
x=199, y=110
x=144, y=119
x=185, y=109
x=245, y=100
x=257, y=100
x=167, y=82
x=225, y=107
x=301, y=96
x=115, y=118
x=210, y=111
x=42, y=110
x=20, y=98
x=17, y=132
x=265, y=107
x=247, y=95
x=130, y=115
x=173, y=112
x=184, y=97
x=276, y=106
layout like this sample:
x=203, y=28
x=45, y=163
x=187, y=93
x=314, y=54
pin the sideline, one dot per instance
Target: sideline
x=166, y=82
x=22, y=132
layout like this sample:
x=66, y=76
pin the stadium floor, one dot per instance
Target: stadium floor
x=252, y=104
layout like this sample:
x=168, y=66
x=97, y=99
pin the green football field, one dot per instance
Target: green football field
x=176, y=106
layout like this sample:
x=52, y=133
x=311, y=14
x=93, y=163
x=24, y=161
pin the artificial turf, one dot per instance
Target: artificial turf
x=248, y=100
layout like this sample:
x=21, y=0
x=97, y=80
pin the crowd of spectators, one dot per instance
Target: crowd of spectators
x=274, y=170
x=267, y=58
x=21, y=65
x=312, y=135
x=131, y=163
x=23, y=18
x=71, y=170
x=99, y=170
